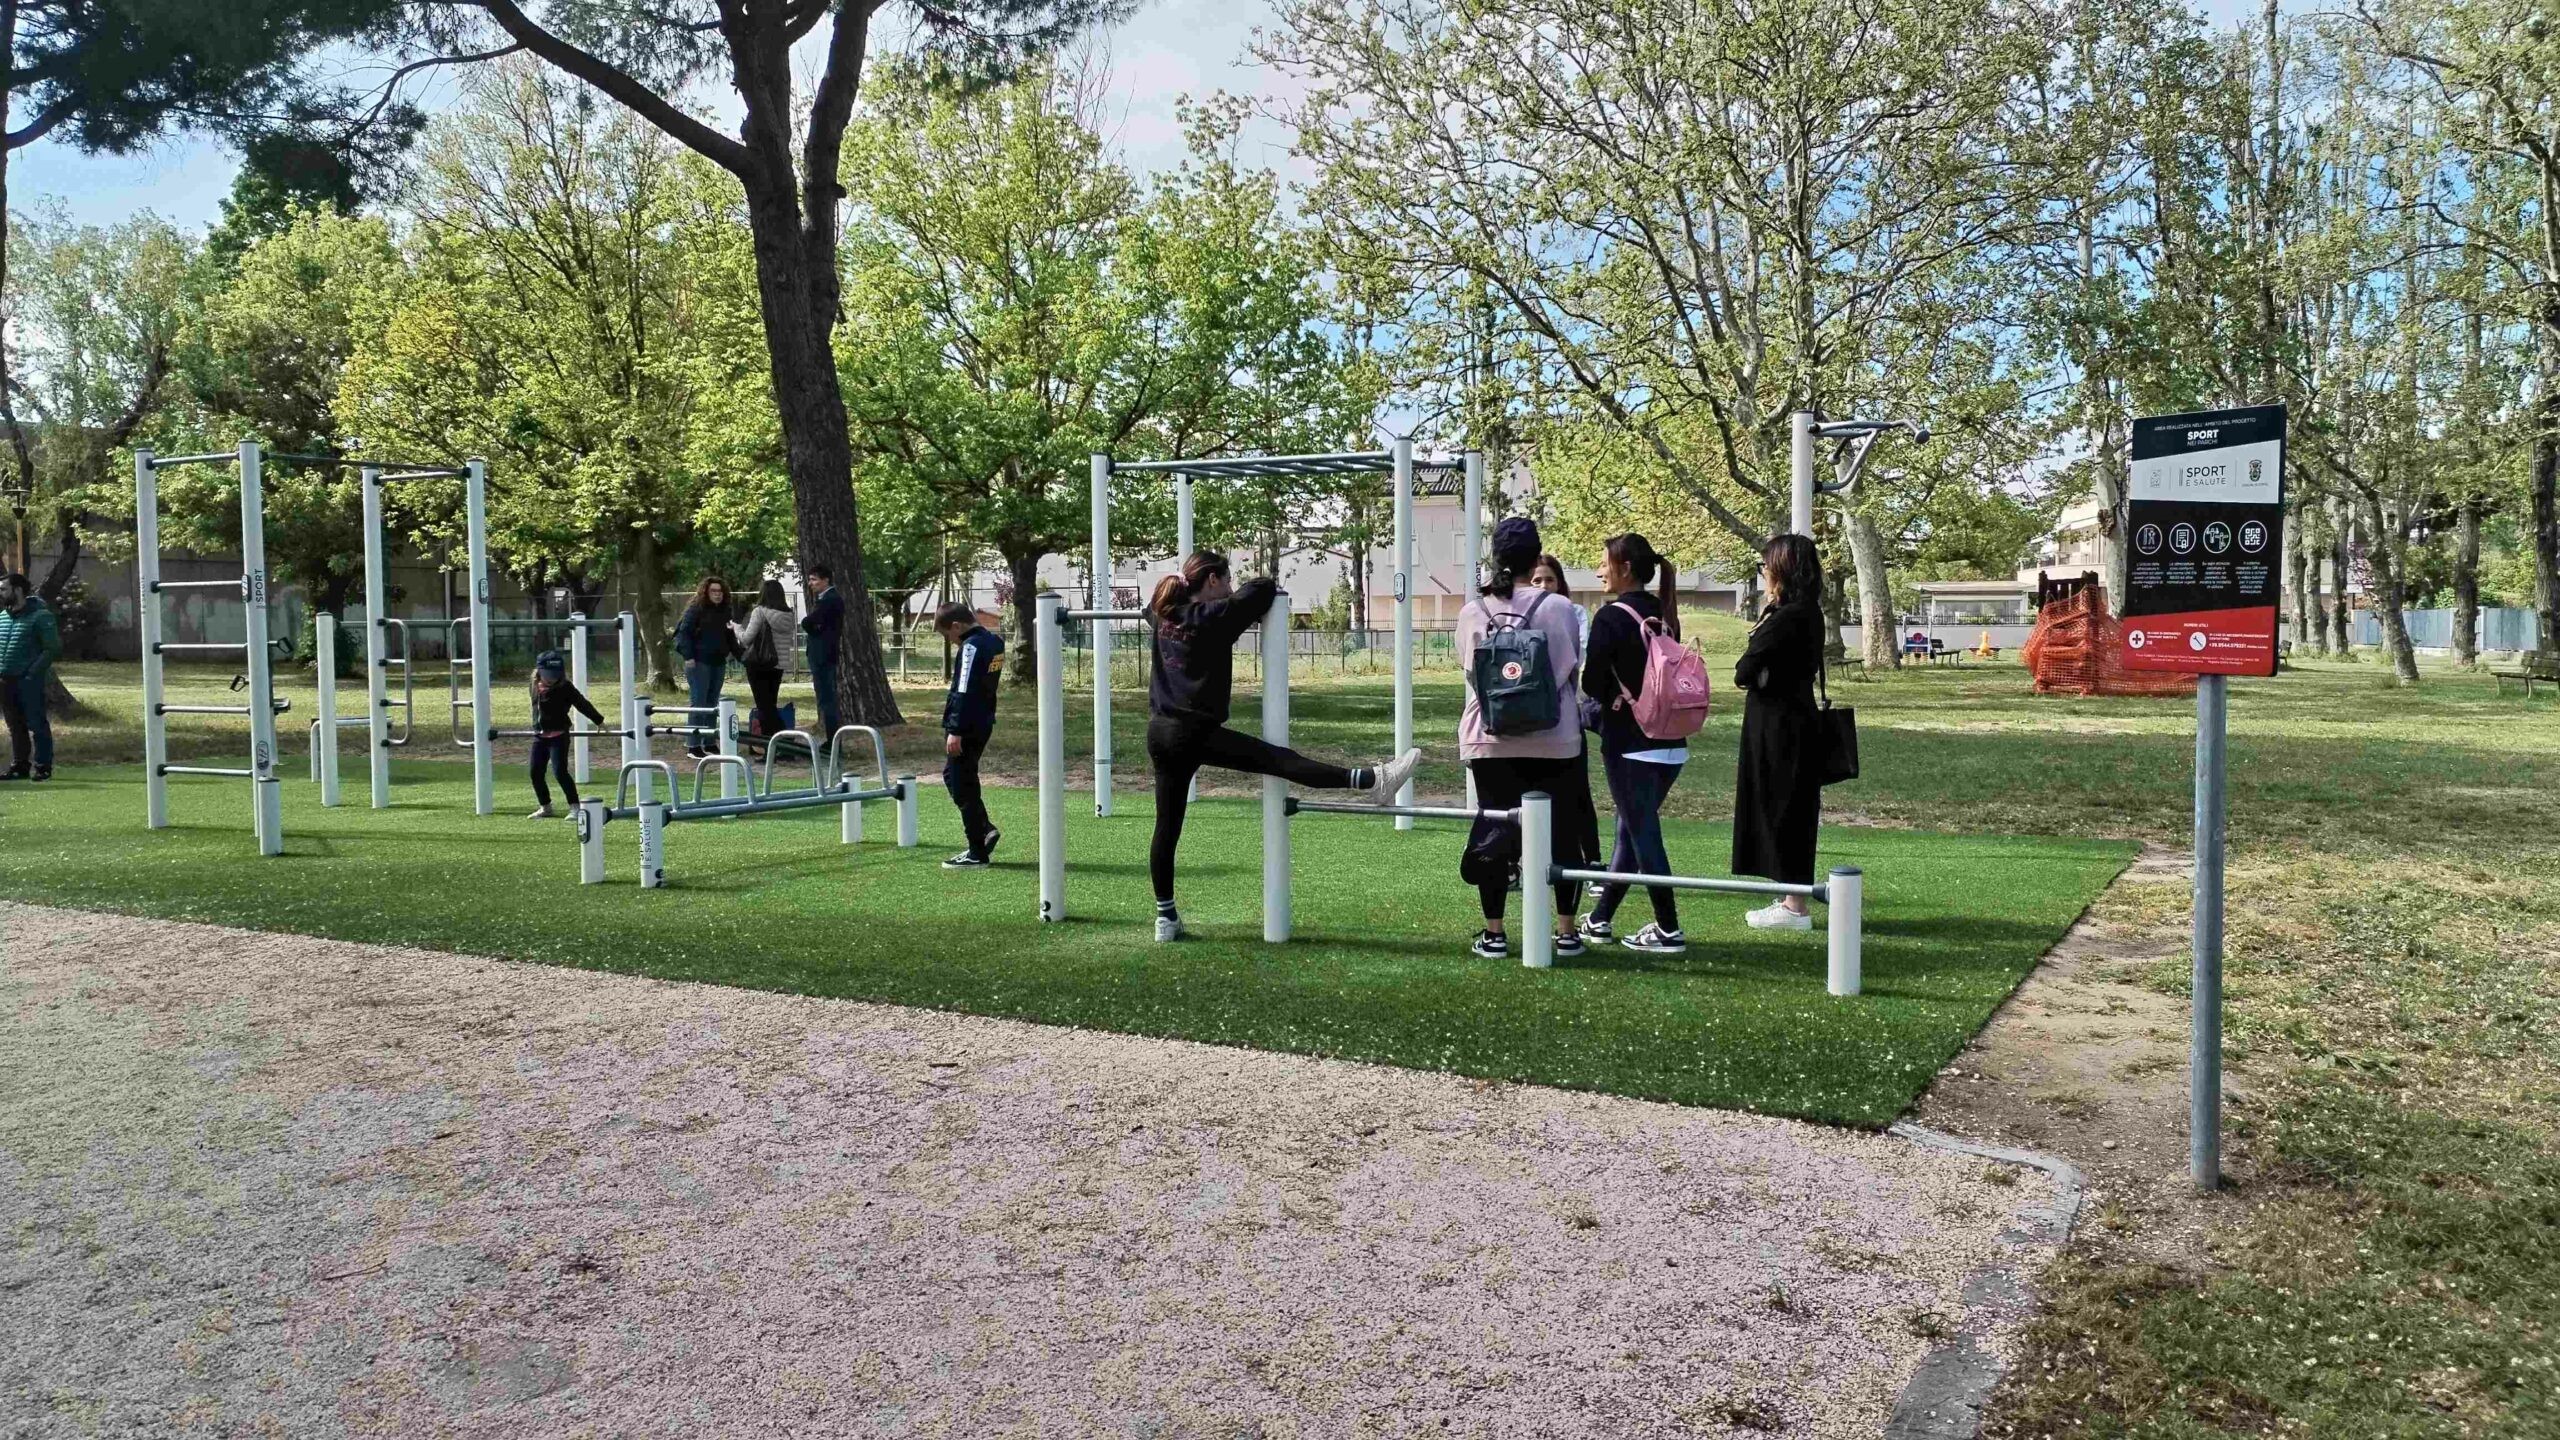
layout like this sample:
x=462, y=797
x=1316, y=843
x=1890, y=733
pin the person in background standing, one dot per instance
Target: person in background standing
x=1777, y=787
x=968, y=720
x=824, y=626
x=704, y=640
x=760, y=641
x=1510, y=765
x=1641, y=769
x=30, y=641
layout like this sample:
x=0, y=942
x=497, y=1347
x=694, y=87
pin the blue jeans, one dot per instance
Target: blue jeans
x=1637, y=788
x=702, y=683
x=822, y=674
x=22, y=705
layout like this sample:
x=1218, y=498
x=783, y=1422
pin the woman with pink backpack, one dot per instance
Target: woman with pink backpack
x=1652, y=696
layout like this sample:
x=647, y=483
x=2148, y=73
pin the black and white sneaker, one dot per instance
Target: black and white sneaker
x=1595, y=928
x=1492, y=946
x=1568, y=943
x=987, y=852
x=1654, y=940
x=966, y=860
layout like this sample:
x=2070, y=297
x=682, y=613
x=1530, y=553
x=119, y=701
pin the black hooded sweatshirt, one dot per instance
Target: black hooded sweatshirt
x=1195, y=654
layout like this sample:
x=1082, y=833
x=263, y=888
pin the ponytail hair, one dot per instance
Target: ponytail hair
x=1510, y=569
x=1177, y=588
x=1644, y=564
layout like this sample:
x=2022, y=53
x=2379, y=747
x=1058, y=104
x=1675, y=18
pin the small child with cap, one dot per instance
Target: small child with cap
x=553, y=698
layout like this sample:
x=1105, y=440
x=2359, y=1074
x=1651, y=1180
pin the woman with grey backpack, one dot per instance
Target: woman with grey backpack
x=1521, y=731
x=761, y=636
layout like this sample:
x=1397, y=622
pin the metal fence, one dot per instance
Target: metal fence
x=2500, y=629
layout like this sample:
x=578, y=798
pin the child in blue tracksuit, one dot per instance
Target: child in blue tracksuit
x=968, y=719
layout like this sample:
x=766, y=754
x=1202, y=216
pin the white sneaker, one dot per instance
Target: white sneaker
x=545, y=813
x=1392, y=777
x=1774, y=916
x=1168, y=929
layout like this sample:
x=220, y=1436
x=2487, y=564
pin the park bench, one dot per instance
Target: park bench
x=2528, y=671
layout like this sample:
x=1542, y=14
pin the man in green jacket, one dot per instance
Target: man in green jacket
x=30, y=641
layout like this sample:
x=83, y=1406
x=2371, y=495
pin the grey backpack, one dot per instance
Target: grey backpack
x=1515, y=681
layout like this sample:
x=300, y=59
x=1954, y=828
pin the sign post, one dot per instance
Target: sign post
x=2207, y=526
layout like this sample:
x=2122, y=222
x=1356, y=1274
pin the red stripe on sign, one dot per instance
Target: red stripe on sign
x=2203, y=642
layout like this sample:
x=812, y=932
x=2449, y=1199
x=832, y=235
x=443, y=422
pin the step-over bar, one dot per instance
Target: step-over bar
x=655, y=815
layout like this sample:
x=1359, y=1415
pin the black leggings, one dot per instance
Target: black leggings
x=553, y=750
x=764, y=682
x=1501, y=780
x=1179, y=751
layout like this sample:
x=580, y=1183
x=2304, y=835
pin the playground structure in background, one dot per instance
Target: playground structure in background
x=2078, y=647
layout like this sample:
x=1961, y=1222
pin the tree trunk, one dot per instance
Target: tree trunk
x=2384, y=559
x=1875, y=594
x=2341, y=612
x=66, y=557
x=2115, y=506
x=2546, y=516
x=2297, y=557
x=649, y=577
x=2466, y=584
x=1022, y=667
x=796, y=284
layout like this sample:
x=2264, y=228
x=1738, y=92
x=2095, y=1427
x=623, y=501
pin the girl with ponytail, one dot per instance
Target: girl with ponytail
x=1196, y=620
x=1640, y=769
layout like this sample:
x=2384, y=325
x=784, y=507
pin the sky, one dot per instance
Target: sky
x=1168, y=49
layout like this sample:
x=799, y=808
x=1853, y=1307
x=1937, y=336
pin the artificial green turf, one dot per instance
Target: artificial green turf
x=1379, y=970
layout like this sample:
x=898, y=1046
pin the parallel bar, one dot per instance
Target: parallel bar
x=197, y=584
x=235, y=774
x=1695, y=882
x=1102, y=614
x=574, y=621
x=1419, y=812
x=428, y=475
x=722, y=809
x=204, y=710
x=165, y=461
x=529, y=734
x=1381, y=458
x=169, y=645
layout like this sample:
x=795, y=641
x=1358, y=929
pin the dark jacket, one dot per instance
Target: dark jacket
x=1193, y=680
x=1617, y=659
x=824, y=625
x=1777, y=789
x=551, y=708
x=970, y=708
x=30, y=639
x=704, y=637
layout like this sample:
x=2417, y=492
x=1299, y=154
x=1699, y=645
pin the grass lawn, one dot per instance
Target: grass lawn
x=1379, y=970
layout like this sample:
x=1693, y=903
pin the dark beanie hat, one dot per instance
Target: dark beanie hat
x=1517, y=537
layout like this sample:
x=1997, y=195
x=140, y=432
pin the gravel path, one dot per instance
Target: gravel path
x=260, y=1184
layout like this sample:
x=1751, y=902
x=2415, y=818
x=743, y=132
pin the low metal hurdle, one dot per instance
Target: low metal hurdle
x=1843, y=893
x=723, y=729
x=656, y=815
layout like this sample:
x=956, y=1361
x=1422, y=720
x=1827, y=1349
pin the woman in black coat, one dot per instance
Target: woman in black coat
x=1777, y=791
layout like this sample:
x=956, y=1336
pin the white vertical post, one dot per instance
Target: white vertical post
x=377, y=647
x=851, y=825
x=1053, y=757
x=1100, y=630
x=1184, y=532
x=1403, y=463
x=1848, y=917
x=266, y=788
x=579, y=745
x=1537, y=880
x=146, y=567
x=484, y=774
x=324, y=750
x=728, y=740
x=1275, y=791
x=1800, y=458
x=2204, y=1064
x=590, y=841
x=1471, y=572
x=635, y=746
x=907, y=831
x=653, y=844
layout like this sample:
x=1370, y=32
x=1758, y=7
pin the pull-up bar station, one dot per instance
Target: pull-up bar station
x=1396, y=462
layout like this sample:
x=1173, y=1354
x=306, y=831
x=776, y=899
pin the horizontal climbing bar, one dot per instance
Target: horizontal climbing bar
x=563, y=623
x=1102, y=614
x=168, y=645
x=570, y=735
x=204, y=709
x=1695, y=882
x=1420, y=812
x=163, y=462
x=208, y=770
x=240, y=584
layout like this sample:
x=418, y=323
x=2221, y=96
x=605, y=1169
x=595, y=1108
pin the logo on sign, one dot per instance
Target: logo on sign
x=2253, y=536
x=2136, y=639
x=2217, y=537
x=1511, y=670
x=2182, y=538
x=2195, y=641
x=2147, y=539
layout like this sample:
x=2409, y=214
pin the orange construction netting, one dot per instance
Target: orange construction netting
x=2078, y=649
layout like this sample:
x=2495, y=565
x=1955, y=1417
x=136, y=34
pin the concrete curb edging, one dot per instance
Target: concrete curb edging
x=1945, y=1397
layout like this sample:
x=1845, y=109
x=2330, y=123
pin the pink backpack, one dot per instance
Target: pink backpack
x=1674, y=703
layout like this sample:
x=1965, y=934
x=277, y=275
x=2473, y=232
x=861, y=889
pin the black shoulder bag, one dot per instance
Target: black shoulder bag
x=1835, y=734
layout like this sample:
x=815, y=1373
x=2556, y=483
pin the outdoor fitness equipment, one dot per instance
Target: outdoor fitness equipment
x=1396, y=461
x=1843, y=892
x=266, y=808
x=656, y=815
x=1805, y=432
x=722, y=732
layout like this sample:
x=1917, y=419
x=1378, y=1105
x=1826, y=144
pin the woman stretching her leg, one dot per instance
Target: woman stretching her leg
x=1196, y=620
